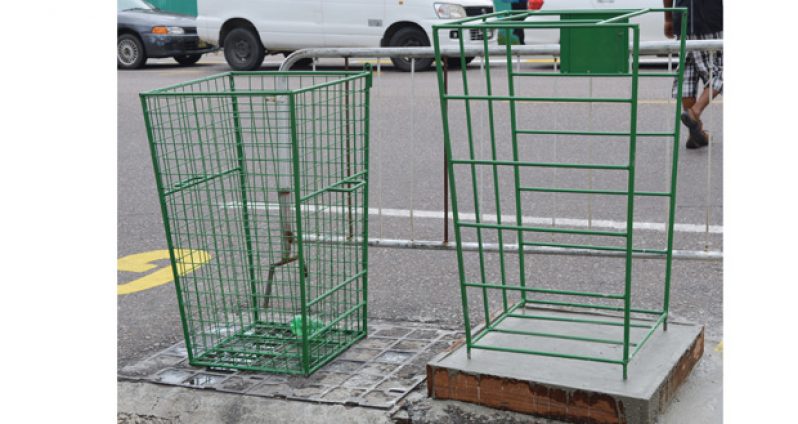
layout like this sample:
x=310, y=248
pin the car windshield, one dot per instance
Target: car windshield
x=122, y=5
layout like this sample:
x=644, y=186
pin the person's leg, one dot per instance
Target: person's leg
x=519, y=32
x=691, y=81
x=699, y=105
x=688, y=102
x=710, y=69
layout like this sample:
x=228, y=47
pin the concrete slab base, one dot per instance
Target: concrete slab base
x=566, y=389
x=376, y=372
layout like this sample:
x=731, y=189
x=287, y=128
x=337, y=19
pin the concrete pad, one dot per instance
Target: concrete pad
x=567, y=389
x=376, y=372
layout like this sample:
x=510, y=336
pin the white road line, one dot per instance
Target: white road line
x=534, y=220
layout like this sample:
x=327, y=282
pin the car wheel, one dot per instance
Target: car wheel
x=130, y=52
x=242, y=50
x=188, y=59
x=410, y=37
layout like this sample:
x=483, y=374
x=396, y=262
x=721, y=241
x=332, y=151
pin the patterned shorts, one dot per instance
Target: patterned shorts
x=698, y=65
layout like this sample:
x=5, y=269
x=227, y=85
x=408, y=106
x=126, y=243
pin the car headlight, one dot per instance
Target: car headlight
x=163, y=30
x=449, y=11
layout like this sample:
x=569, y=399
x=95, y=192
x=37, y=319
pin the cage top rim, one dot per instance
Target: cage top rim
x=510, y=18
x=343, y=77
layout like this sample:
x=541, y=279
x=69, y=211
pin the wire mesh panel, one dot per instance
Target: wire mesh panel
x=267, y=172
x=514, y=147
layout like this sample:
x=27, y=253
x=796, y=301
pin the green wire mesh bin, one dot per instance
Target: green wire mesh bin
x=267, y=174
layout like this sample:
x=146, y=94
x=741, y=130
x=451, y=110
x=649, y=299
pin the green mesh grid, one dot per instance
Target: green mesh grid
x=267, y=173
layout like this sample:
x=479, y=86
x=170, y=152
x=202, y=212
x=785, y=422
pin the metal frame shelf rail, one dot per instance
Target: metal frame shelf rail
x=465, y=169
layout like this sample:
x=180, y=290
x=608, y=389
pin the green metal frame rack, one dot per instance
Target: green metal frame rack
x=506, y=169
x=267, y=173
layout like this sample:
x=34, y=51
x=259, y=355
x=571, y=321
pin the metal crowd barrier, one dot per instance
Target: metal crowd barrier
x=410, y=241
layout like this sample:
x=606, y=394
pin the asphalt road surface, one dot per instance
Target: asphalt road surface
x=406, y=173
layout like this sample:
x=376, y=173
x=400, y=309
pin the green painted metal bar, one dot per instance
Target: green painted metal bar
x=167, y=227
x=158, y=91
x=550, y=12
x=197, y=180
x=340, y=318
x=674, y=170
x=294, y=74
x=220, y=94
x=575, y=320
x=548, y=291
x=559, y=336
x=594, y=247
x=335, y=288
x=598, y=192
x=253, y=93
x=498, y=321
x=244, y=202
x=334, y=187
x=255, y=352
x=513, y=99
x=365, y=206
x=594, y=75
x=650, y=332
x=276, y=370
x=495, y=168
x=594, y=133
x=332, y=355
x=521, y=228
x=584, y=23
x=653, y=194
x=341, y=81
x=298, y=217
x=624, y=16
x=516, y=163
x=630, y=212
x=337, y=189
x=550, y=354
x=205, y=166
x=591, y=306
x=519, y=219
x=474, y=186
x=452, y=185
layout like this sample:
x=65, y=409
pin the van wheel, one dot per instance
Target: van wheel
x=410, y=37
x=242, y=50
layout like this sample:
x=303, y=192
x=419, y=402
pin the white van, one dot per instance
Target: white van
x=248, y=29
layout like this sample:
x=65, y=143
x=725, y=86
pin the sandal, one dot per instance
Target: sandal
x=695, y=143
x=698, y=138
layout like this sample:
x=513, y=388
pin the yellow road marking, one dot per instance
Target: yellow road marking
x=187, y=261
x=373, y=62
x=719, y=347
